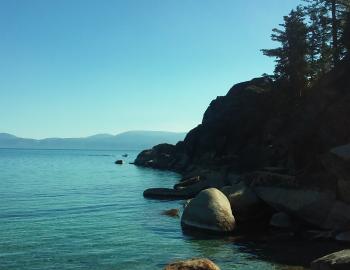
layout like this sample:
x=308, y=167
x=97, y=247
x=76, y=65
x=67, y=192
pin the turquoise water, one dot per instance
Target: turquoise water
x=74, y=209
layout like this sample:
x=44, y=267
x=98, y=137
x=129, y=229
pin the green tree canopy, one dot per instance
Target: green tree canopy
x=291, y=56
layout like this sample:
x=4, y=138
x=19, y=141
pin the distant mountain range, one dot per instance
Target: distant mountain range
x=130, y=140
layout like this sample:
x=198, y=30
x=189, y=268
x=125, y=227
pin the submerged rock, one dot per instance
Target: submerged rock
x=335, y=261
x=171, y=212
x=193, y=264
x=209, y=210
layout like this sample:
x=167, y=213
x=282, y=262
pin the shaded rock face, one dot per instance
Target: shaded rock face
x=245, y=204
x=337, y=163
x=255, y=126
x=209, y=210
x=281, y=220
x=320, y=209
x=193, y=264
x=232, y=128
x=335, y=261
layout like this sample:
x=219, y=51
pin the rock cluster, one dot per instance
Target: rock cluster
x=297, y=163
x=256, y=156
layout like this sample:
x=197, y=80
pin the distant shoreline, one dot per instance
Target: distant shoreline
x=68, y=149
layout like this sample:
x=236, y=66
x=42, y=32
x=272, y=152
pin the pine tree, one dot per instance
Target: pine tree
x=291, y=57
x=332, y=14
x=320, y=51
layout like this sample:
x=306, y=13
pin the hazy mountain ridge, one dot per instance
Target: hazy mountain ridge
x=126, y=140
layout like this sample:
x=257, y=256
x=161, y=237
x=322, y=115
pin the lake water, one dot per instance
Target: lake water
x=76, y=209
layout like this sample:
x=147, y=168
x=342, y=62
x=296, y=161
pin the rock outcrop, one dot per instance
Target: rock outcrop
x=209, y=210
x=218, y=141
x=255, y=126
x=293, y=155
x=193, y=264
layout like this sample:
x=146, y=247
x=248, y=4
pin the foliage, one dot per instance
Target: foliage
x=327, y=18
x=291, y=61
x=314, y=38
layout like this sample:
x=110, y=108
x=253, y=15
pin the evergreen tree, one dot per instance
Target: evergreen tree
x=291, y=57
x=319, y=36
x=329, y=17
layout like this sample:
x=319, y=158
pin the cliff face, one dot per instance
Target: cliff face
x=255, y=126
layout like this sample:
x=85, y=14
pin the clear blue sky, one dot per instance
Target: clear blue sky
x=71, y=68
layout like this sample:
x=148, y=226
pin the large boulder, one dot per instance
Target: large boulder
x=209, y=210
x=193, y=264
x=319, y=208
x=245, y=204
x=335, y=261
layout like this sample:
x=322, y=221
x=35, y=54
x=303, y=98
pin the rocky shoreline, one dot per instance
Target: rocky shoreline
x=257, y=160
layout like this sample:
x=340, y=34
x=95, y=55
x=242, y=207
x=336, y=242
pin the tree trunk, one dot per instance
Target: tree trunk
x=335, y=33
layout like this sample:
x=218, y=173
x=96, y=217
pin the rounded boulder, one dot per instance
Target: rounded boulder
x=209, y=210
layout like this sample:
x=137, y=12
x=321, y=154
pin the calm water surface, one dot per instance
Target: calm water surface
x=76, y=209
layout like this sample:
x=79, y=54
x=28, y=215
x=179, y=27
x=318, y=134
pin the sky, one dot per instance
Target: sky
x=73, y=68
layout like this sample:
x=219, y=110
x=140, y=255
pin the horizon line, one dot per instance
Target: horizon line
x=96, y=134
